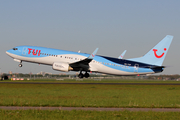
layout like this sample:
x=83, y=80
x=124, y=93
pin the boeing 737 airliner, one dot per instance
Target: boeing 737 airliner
x=62, y=60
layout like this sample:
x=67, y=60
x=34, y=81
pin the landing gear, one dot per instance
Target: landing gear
x=86, y=75
x=81, y=75
x=20, y=65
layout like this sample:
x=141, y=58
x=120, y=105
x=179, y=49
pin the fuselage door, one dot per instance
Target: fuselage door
x=24, y=51
x=136, y=67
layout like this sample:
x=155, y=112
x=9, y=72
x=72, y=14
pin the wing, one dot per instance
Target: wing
x=83, y=64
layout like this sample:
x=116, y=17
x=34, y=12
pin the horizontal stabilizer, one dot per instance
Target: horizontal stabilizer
x=154, y=67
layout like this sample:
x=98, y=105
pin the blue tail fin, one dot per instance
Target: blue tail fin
x=157, y=54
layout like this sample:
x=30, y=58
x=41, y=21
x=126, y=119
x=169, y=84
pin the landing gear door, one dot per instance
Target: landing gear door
x=136, y=67
x=24, y=51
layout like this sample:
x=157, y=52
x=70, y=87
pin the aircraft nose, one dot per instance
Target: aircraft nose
x=7, y=53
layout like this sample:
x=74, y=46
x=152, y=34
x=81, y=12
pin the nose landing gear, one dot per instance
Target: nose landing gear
x=20, y=65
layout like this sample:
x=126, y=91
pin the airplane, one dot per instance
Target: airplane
x=122, y=55
x=62, y=60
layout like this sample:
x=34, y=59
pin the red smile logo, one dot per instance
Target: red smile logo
x=158, y=56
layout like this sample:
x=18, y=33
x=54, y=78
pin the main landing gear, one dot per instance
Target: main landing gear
x=81, y=75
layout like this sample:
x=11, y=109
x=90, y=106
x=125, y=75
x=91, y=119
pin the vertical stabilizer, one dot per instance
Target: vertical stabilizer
x=157, y=54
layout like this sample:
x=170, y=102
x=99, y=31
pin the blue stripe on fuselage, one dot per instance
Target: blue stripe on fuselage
x=27, y=51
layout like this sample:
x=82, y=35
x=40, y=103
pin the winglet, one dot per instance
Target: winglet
x=122, y=55
x=93, y=54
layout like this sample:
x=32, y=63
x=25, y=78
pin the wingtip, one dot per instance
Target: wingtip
x=93, y=54
x=170, y=36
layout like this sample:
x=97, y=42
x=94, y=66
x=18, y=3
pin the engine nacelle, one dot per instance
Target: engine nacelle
x=61, y=67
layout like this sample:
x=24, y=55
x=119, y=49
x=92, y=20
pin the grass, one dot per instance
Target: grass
x=96, y=81
x=84, y=95
x=93, y=95
x=85, y=115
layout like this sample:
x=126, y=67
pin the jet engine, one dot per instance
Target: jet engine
x=62, y=67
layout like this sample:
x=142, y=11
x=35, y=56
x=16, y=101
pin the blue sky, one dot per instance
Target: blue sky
x=113, y=26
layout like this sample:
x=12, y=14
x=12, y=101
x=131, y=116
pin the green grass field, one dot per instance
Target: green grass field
x=84, y=95
x=96, y=80
x=85, y=115
x=93, y=95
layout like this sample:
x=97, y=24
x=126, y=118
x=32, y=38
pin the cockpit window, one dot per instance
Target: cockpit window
x=15, y=48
